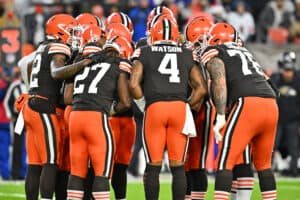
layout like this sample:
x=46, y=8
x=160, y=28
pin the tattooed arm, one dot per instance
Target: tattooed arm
x=60, y=72
x=216, y=69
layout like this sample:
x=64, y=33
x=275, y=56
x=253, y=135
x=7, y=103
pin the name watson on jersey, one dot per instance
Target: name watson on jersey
x=166, y=49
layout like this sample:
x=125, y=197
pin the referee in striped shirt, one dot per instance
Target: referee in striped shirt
x=15, y=89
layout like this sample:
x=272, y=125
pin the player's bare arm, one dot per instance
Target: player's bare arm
x=68, y=93
x=135, y=80
x=216, y=69
x=199, y=86
x=123, y=93
x=60, y=72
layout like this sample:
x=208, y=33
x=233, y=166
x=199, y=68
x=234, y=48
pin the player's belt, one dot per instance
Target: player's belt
x=39, y=96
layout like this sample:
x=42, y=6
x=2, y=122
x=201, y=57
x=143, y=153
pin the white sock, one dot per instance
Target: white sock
x=233, y=190
x=245, y=187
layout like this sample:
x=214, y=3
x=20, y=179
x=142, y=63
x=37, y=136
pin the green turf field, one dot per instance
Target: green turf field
x=288, y=189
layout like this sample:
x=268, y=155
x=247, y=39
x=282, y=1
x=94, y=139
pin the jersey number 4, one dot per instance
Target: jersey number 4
x=92, y=88
x=170, y=60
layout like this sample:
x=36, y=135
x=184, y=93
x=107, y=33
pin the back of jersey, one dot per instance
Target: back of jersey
x=166, y=72
x=95, y=86
x=244, y=76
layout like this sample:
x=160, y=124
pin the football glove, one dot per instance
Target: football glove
x=140, y=103
x=96, y=57
x=112, y=109
x=220, y=122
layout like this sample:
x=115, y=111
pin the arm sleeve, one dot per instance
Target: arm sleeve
x=23, y=63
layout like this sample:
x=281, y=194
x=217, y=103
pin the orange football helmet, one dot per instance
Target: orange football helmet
x=121, y=45
x=156, y=18
x=117, y=29
x=221, y=33
x=122, y=18
x=196, y=31
x=60, y=27
x=91, y=34
x=87, y=19
x=159, y=10
x=164, y=30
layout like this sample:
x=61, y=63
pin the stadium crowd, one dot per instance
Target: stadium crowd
x=276, y=22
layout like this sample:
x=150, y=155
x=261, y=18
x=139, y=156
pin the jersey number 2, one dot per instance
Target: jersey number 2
x=173, y=71
x=78, y=89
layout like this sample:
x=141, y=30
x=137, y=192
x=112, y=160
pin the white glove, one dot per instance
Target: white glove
x=140, y=103
x=220, y=122
x=112, y=109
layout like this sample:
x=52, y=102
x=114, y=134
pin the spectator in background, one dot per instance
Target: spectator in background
x=276, y=14
x=139, y=17
x=218, y=12
x=15, y=89
x=98, y=11
x=242, y=21
x=4, y=130
x=288, y=84
x=295, y=26
x=35, y=25
x=195, y=8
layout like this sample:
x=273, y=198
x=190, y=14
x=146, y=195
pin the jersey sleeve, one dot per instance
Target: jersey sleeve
x=60, y=48
x=136, y=54
x=125, y=66
x=90, y=49
x=208, y=54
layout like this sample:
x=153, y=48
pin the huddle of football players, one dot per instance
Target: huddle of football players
x=78, y=114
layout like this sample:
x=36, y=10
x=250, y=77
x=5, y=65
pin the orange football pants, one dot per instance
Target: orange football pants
x=163, y=124
x=198, y=146
x=124, y=136
x=90, y=138
x=253, y=120
x=42, y=136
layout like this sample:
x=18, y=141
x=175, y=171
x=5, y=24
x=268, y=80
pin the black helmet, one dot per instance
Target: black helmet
x=287, y=60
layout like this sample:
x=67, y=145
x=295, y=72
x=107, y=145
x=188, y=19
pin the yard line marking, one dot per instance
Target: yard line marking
x=13, y=195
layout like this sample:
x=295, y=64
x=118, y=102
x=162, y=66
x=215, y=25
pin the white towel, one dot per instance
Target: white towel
x=189, y=128
x=20, y=123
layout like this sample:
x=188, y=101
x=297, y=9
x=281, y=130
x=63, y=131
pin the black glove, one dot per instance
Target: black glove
x=96, y=57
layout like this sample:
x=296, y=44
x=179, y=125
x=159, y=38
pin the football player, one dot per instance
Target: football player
x=196, y=34
x=92, y=95
x=120, y=18
x=160, y=77
x=123, y=127
x=42, y=113
x=239, y=85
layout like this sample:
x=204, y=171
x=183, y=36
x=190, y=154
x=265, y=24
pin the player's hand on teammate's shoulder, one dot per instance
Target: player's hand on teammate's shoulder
x=96, y=57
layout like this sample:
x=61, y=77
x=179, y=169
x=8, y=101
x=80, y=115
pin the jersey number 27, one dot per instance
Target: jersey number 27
x=92, y=88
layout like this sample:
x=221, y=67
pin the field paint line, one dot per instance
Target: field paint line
x=12, y=182
x=13, y=195
x=286, y=187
